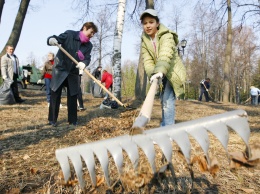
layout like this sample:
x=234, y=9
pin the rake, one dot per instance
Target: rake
x=179, y=133
x=93, y=78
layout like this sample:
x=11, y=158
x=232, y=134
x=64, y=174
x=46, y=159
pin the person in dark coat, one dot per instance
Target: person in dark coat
x=204, y=89
x=97, y=73
x=96, y=89
x=65, y=72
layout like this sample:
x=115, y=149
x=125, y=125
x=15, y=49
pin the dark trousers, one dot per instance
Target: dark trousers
x=203, y=91
x=14, y=88
x=254, y=100
x=55, y=104
x=80, y=99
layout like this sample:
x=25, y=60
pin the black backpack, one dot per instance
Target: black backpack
x=110, y=103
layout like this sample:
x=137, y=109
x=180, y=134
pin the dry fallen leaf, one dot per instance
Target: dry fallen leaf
x=248, y=190
x=26, y=157
x=213, y=168
x=239, y=158
x=33, y=171
x=13, y=191
x=201, y=161
x=100, y=180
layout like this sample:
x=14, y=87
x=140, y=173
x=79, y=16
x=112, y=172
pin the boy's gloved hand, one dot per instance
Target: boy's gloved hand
x=81, y=66
x=53, y=41
x=156, y=76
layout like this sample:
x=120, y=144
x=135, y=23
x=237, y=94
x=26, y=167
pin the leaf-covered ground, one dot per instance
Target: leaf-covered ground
x=28, y=144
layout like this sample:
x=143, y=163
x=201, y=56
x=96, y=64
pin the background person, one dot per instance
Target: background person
x=97, y=73
x=47, y=75
x=96, y=89
x=204, y=89
x=161, y=61
x=107, y=78
x=10, y=70
x=254, y=92
x=65, y=72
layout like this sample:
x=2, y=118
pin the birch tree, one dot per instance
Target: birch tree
x=116, y=62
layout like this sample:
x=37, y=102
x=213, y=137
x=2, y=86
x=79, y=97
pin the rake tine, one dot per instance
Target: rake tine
x=222, y=135
x=131, y=150
x=239, y=128
x=117, y=155
x=164, y=143
x=147, y=146
x=89, y=159
x=201, y=136
x=63, y=160
x=77, y=163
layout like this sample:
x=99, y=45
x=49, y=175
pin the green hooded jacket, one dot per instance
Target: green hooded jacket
x=166, y=59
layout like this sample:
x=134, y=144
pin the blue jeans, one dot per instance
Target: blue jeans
x=48, y=88
x=168, y=105
x=254, y=100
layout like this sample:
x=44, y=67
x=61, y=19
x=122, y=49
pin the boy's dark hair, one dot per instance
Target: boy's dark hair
x=89, y=25
x=147, y=14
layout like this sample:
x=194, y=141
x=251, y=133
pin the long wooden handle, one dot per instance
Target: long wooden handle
x=147, y=107
x=91, y=76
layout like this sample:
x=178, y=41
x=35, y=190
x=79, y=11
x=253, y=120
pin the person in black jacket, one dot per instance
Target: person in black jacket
x=96, y=89
x=97, y=73
x=204, y=89
x=65, y=72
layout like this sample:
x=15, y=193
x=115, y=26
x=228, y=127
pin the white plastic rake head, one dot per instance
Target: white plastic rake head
x=163, y=136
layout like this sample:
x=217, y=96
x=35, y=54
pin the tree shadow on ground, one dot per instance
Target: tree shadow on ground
x=41, y=132
x=161, y=184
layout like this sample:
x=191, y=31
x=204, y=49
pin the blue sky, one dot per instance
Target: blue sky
x=52, y=17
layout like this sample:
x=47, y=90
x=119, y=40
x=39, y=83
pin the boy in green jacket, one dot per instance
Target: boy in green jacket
x=161, y=61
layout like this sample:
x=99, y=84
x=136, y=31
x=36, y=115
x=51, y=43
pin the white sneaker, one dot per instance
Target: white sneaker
x=48, y=104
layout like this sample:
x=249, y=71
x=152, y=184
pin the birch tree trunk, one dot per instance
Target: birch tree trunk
x=116, y=66
x=18, y=24
x=228, y=51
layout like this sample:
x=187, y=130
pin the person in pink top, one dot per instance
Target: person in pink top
x=107, y=78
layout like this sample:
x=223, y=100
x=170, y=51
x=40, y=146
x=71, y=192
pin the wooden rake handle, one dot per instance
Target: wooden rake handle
x=146, y=110
x=91, y=76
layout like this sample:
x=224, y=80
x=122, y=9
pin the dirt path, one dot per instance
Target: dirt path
x=27, y=145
